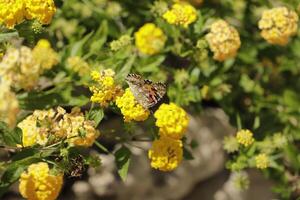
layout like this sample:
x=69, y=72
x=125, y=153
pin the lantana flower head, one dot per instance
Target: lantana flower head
x=223, y=40
x=182, y=14
x=130, y=108
x=23, y=66
x=38, y=127
x=38, y=183
x=166, y=153
x=9, y=105
x=277, y=25
x=262, y=161
x=172, y=120
x=245, y=137
x=13, y=12
x=105, y=90
x=150, y=39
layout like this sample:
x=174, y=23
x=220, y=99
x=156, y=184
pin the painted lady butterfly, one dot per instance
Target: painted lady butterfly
x=147, y=93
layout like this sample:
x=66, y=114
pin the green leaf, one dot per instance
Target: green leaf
x=96, y=115
x=10, y=137
x=100, y=146
x=198, y=26
x=101, y=37
x=40, y=100
x=77, y=47
x=7, y=36
x=238, y=121
x=256, y=123
x=126, y=68
x=187, y=155
x=195, y=75
x=122, y=158
x=14, y=171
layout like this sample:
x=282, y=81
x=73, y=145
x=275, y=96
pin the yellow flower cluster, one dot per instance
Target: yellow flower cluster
x=78, y=65
x=130, y=108
x=245, y=137
x=150, y=39
x=181, y=14
x=42, y=10
x=122, y=42
x=22, y=67
x=105, y=90
x=9, y=106
x=80, y=132
x=44, y=55
x=38, y=127
x=262, y=161
x=171, y=120
x=32, y=133
x=39, y=184
x=13, y=12
x=278, y=25
x=223, y=40
x=166, y=154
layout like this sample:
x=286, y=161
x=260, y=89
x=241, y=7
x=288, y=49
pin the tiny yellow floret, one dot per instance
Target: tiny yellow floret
x=37, y=183
x=130, y=108
x=277, y=25
x=223, y=40
x=172, y=121
x=245, y=137
x=166, y=154
x=150, y=39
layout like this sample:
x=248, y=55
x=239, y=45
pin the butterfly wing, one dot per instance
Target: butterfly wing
x=145, y=92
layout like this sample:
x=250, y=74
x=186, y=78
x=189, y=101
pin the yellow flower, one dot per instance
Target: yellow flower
x=80, y=132
x=223, y=40
x=150, y=39
x=44, y=55
x=42, y=10
x=181, y=14
x=39, y=184
x=171, y=120
x=22, y=67
x=166, y=154
x=122, y=42
x=105, y=90
x=245, y=137
x=36, y=127
x=9, y=106
x=278, y=25
x=262, y=161
x=78, y=65
x=130, y=108
x=13, y=12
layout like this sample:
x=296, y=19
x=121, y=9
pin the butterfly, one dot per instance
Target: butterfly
x=146, y=92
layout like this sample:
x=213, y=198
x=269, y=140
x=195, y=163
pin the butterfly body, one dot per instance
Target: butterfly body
x=146, y=92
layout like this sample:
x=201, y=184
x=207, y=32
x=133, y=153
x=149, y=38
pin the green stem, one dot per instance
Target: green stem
x=100, y=146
